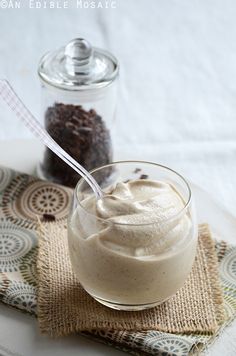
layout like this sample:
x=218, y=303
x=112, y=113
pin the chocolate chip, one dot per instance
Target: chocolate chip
x=49, y=217
x=127, y=181
x=143, y=176
x=137, y=170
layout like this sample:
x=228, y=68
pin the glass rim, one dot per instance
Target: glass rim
x=180, y=212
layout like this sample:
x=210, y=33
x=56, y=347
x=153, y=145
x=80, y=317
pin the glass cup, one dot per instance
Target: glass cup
x=106, y=271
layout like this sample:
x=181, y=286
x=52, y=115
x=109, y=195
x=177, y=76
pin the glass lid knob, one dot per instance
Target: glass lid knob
x=78, y=54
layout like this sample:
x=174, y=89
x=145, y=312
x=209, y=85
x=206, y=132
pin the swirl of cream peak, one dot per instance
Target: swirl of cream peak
x=142, y=217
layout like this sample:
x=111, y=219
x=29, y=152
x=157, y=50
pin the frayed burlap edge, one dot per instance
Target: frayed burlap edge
x=212, y=264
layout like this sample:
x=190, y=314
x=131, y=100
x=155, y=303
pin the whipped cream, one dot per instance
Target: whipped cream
x=134, y=246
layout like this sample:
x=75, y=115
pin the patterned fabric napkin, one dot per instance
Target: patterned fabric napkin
x=22, y=199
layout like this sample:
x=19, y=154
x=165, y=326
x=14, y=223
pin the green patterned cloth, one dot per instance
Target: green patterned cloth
x=22, y=200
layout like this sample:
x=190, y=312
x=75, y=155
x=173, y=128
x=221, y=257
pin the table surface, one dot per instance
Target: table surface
x=27, y=340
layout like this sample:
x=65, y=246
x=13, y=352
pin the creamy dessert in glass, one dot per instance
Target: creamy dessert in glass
x=134, y=248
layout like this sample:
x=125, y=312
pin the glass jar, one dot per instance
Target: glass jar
x=138, y=265
x=78, y=105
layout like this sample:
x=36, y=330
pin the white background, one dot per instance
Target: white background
x=177, y=93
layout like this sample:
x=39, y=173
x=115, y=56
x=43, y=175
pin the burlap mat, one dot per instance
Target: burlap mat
x=64, y=307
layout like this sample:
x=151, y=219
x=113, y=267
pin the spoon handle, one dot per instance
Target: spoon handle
x=16, y=105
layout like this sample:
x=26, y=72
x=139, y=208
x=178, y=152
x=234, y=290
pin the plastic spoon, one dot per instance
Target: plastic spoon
x=8, y=94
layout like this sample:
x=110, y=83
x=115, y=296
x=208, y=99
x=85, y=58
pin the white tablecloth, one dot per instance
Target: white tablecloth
x=177, y=93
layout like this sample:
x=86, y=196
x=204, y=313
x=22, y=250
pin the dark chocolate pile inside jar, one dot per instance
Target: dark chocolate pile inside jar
x=82, y=134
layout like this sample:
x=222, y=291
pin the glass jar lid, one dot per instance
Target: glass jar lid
x=78, y=66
